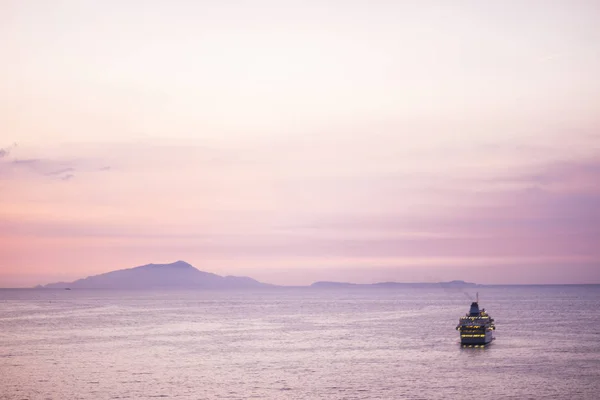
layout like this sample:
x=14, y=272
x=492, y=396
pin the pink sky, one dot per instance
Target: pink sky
x=297, y=141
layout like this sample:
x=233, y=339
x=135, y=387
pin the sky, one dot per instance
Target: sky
x=296, y=141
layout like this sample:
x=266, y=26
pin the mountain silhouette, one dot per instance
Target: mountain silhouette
x=177, y=275
x=181, y=275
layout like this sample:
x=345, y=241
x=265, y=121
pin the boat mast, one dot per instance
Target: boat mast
x=477, y=297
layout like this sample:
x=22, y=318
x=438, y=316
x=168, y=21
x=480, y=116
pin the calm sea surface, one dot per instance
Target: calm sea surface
x=297, y=344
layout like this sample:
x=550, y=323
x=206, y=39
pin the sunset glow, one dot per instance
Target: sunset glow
x=297, y=141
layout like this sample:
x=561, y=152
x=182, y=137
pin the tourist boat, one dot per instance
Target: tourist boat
x=477, y=327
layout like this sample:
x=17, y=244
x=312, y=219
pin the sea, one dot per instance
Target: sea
x=298, y=343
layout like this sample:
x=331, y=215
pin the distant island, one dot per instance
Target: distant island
x=457, y=283
x=181, y=275
x=177, y=275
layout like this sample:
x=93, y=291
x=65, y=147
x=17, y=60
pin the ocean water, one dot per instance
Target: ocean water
x=298, y=344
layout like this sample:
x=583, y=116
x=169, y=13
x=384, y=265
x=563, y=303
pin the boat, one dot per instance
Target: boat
x=476, y=328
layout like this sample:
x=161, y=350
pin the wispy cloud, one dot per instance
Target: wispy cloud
x=5, y=151
x=58, y=168
x=581, y=175
x=61, y=171
x=46, y=167
x=553, y=211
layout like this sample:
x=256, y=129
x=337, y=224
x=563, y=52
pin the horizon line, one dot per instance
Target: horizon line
x=272, y=286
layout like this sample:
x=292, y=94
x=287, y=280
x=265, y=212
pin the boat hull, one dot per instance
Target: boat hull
x=479, y=340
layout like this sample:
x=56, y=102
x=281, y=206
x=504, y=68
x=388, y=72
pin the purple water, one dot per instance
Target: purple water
x=297, y=344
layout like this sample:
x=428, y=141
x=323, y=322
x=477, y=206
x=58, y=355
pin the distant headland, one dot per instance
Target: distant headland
x=177, y=275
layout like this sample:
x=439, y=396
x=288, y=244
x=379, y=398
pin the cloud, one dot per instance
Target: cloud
x=553, y=210
x=571, y=175
x=59, y=168
x=61, y=171
x=28, y=161
x=47, y=167
x=5, y=152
